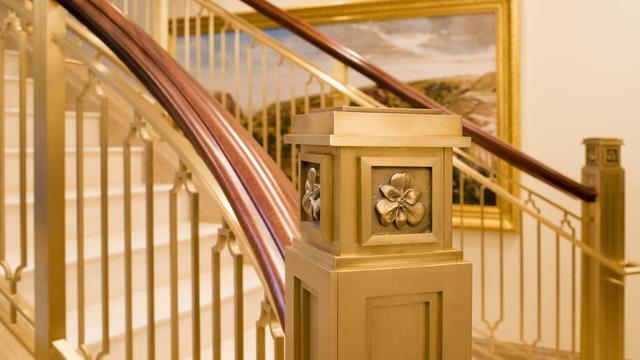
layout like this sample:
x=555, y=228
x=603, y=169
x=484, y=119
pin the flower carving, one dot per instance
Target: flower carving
x=311, y=197
x=399, y=204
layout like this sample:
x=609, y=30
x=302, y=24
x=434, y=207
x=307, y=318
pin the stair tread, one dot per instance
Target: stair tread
x=89, y=192
x=162, y=309
x=92, y=246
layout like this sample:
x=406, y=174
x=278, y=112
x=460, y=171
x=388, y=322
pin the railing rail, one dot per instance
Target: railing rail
x=500, y=148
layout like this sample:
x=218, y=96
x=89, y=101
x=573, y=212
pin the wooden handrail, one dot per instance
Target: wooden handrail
x=500, y=148
x=261, y=196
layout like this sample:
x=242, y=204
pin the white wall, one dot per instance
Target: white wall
x=580, y=78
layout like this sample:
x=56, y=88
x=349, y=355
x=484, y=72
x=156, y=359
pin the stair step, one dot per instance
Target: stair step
x=208, y=236
x=91, y=168
x=92, y=212
x=252, y=294
x=12, y=124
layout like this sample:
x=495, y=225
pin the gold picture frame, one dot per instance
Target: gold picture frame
x=507, y=62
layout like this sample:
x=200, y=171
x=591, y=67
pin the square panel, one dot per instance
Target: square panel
x=316, y=197
x=402, y=200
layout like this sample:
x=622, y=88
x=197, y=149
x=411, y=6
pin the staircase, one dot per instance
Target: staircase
x=90, y=268
x=172, y=172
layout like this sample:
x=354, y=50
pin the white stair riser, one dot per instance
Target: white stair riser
x=91, y=169
x=92, y=216
x=12, y=93
x=93, y=271
x=11, y=62
x=91, y=129
x=163, y=330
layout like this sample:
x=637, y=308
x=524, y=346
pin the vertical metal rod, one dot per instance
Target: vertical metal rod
x=174, y=31
x=238, y=294
x=462, y=180
x=482, y=261
x=557, y=295
x=250, y=88
x=104, y=219
x=187, y=36
x=199, y=46
x=22, y=89
x=149, y=200
x=212, y=53
x=147, y=16
x=173, y=267
x=323, y=103
x=195, y=268
x=306, y=93
x=292, y=114
x=80, y=213
x=263, y=89
x=128, y=273
x=278, y=130
x=236, y=67
x=223, y=64
x=3, y=244
x=223, y=234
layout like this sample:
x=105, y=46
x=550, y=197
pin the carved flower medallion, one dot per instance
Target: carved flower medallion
x=399, y=204
x=311, y=197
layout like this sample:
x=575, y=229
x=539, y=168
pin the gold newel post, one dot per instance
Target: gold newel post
x=602, y=302
x=374, y=275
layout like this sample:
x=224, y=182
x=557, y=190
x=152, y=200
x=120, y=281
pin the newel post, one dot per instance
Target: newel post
x=374, y=275
x=602, y=301
x=49, y=128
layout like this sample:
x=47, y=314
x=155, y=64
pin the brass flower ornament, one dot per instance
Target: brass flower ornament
x=399, y=204
x=311, y=197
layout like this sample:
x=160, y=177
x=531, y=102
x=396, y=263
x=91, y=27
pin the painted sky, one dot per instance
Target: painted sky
x=415, y=48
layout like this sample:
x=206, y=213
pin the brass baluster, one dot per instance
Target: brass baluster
x=22, y=90
x=212, y=52
x=250, y=86
x=307, y=84
x=278, y=130
x=223, y=64
x=80, y=208
x=236, y=71
x=292, y=114
x=3, y=260
x=223, y=235
x=263, y=90
x=104, y=217
x=147, y=16
x=238, y=296
x=128, y=274
x=199, y=43
x=187, y=36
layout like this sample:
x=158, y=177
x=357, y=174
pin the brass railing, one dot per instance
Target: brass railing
x=121, y=208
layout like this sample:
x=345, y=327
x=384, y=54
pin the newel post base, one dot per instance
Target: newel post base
x=602, y=301
x=374, y=275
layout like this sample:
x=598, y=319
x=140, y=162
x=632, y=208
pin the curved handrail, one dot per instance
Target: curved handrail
x=500, y=148
x=258, y=192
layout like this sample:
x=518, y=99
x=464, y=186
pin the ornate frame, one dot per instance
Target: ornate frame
x=507, y=69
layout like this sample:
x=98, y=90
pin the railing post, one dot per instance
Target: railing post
x=374, y=274
x=49, y=130
x=161, y=23
x=602, y=301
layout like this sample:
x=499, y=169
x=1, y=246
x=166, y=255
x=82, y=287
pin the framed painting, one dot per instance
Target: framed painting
x=462, y=53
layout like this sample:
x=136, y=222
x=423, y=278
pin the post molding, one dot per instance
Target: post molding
x=374, y=273
x=602, y=304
